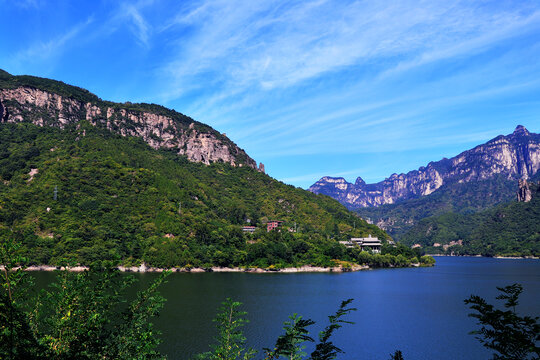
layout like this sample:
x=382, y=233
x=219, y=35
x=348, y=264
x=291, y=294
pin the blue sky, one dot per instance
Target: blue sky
x=309, y=88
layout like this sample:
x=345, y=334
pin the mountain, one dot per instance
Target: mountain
x=46, y=102
x=508, y=229
x=84, y=179
x=513, y=157
x=461, y=198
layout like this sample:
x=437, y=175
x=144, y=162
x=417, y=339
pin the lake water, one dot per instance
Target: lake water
x=417, y=310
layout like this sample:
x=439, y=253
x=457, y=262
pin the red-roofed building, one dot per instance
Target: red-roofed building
x=271, y=225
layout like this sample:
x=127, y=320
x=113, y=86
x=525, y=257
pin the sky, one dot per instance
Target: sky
x=309, y=88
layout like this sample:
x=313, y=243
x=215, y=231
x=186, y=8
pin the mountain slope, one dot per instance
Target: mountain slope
x=46, y=102
x=86, y=194
x=509, y=229
x=513, y=156
x=459, y=198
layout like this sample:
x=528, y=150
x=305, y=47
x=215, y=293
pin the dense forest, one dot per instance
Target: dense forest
x=85, y=194
x=459, y=198
x=509, y=229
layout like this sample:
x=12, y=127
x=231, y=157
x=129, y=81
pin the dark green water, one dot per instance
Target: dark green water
x=419, y=311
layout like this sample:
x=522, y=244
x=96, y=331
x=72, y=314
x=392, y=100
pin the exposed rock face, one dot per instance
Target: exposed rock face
x=198, y=142
x=516, y=156
x=524, y=192
x=261, y=167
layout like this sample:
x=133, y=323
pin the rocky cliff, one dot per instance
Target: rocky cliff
x=527, y=190
x=515, y=156
x=47, y=102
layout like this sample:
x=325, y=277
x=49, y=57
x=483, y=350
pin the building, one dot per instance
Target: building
x=250, y=229
x=271, y=225
x=369, y=243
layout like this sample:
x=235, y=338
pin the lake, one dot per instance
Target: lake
x=417, y=310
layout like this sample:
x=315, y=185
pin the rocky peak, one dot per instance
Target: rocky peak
x=521, y=131
x=359, y=182
x=334, y=180
x=47, y=102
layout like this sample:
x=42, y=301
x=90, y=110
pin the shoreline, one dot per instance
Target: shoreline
x=146, y=269
x=492, y=257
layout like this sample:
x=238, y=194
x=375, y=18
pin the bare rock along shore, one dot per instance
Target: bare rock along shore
x=145, y=269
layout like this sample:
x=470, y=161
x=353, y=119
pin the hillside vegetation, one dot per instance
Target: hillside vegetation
x=454, y=198
x=86, y=194
x=509, y=229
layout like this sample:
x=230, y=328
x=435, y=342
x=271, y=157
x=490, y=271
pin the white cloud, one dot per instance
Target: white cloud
x=139, y=26
x=44, y=50
x=269, y=44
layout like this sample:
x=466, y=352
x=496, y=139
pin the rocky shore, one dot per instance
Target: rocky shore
x=146, y=269
x=495, y=257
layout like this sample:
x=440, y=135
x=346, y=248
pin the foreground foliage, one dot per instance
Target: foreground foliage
x=86, y=316
x=230, y=343
x=80, y=316
x=510, y=335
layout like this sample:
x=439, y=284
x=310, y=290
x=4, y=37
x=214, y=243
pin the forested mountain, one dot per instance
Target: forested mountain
x=448, y=200
x=88, y=194
x=513, y=157
x=509, y=229
x=85, y=179
x=460, y=198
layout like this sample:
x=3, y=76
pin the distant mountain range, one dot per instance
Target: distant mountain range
x=514, y=156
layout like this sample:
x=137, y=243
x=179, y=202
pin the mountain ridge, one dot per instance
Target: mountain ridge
x=515, y=156
x=47, y=102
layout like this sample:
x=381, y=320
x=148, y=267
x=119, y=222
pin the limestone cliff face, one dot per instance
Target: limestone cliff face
x=159, y=127
x=527, y=190
x=524, y=193
x=515, y=156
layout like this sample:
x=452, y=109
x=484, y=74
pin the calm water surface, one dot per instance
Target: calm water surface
x=419, y=311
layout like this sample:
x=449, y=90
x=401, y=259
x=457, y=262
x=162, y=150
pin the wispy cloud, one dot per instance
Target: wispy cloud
x=271, y=45
x=43, y=50
x=138, y=25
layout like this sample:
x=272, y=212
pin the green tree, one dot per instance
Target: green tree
x=17, y=340
x=230, y=342
x=325, y=349
x=512, y=336
x=290, y=345
x=81, y=316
